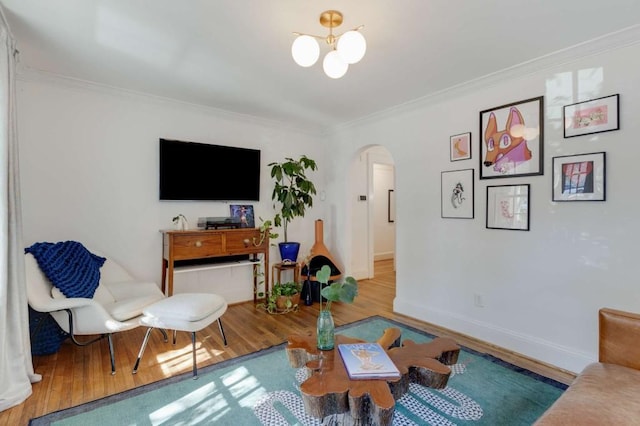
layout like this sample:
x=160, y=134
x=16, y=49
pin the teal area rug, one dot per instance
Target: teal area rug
x=262, y=389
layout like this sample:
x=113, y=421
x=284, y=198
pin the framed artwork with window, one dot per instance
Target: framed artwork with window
x=579, y=177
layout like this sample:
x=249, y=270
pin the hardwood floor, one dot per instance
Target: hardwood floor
x=76, y=375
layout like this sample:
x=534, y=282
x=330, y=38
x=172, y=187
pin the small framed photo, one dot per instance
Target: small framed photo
x=243, y=213
x=457, y=194
x=508, y=207
x=579, y=177
x=460, y=146
x=594, y=116
x=511, y=139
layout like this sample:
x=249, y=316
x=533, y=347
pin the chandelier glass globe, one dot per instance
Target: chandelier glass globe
x=305, y=50
x=333, y=65
x=352, y=46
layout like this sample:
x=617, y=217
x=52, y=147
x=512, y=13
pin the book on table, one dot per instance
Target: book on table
x=367, y=361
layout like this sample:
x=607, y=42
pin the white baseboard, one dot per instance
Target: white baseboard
x=383, y=256
x=548, y=352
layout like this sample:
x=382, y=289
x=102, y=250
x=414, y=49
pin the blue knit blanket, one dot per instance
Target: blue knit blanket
x=69, y=266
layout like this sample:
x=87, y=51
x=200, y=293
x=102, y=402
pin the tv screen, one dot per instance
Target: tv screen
x=199, y=171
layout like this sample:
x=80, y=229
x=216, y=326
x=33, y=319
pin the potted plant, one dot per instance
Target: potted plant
x=340, y=291
x=292, y=194
x=283, y=298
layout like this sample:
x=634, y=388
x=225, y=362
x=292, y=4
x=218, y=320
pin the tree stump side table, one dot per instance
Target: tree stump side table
x=329, y=390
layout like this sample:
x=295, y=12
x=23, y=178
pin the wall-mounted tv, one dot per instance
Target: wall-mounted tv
x=198, y=171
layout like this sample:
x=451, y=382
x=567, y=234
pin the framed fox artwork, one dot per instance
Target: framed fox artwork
x=512, y=139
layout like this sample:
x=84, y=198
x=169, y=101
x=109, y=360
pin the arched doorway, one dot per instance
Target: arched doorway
x=373, y=191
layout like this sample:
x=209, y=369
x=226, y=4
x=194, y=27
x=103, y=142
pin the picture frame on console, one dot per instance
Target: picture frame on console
x=243, y=214
x=511, y=140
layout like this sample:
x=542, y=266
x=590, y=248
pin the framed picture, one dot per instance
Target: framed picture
x=508, y=207
x=594, y=116
x=391, y=206
x=457, y=194
x=244, y=214
x=579, y=177
x=512, y=139
x=460, y=146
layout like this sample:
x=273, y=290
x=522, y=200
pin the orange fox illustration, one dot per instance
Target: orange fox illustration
x=506, y=148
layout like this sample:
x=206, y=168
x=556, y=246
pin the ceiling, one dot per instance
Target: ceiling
x=234, y=55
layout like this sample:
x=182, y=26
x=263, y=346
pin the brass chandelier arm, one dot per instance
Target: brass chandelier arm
x=324, y=38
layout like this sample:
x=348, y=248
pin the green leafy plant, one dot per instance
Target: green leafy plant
x=282, y=298
x=293, y=191
x=265, y=230
x=340, y=291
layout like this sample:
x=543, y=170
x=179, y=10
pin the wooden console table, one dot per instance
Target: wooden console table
x=214, y=243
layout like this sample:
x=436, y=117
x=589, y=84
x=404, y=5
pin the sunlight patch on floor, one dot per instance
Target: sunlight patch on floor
x=182, y=358
x=210, y=401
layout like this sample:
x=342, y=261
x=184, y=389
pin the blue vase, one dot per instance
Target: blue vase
x=325, y=331
x=289, y=252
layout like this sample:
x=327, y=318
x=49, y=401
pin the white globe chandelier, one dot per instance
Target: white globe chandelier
x=346, y=49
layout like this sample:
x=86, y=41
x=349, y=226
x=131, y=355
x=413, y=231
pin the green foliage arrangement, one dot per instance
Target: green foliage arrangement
x=340, y=291
x=293, y=192
x=281, y=299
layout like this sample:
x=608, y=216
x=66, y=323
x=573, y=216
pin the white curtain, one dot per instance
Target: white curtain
x=16, y=367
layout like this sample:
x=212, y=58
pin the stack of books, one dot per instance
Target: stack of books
x=367, y=361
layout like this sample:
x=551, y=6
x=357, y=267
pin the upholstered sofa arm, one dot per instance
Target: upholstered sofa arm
x=604, y=393
x=619, y=337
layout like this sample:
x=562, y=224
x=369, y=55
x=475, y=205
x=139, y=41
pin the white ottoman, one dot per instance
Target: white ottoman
x=183, y=312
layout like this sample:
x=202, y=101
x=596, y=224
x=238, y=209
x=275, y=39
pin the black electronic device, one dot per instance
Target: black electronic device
x=203, y=172
x=218, y=222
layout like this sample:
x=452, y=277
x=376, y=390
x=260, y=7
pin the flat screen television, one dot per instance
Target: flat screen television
x=198, y=172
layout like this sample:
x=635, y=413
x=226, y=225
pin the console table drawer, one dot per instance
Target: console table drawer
x=197, y=246
x=242, y=241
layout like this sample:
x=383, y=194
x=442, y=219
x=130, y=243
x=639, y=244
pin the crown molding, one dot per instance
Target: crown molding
x=28, y=74
x=607, y=43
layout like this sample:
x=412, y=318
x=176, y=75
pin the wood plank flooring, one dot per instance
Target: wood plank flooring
x=76, y=375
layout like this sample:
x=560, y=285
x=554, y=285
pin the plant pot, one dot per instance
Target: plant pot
x=289, y=252
x=281, y=302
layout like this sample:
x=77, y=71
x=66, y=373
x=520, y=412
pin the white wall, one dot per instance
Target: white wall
x=541, y=289
x=89, y=170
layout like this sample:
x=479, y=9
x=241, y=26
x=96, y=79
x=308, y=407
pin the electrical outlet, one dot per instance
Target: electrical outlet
x=478, y=300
